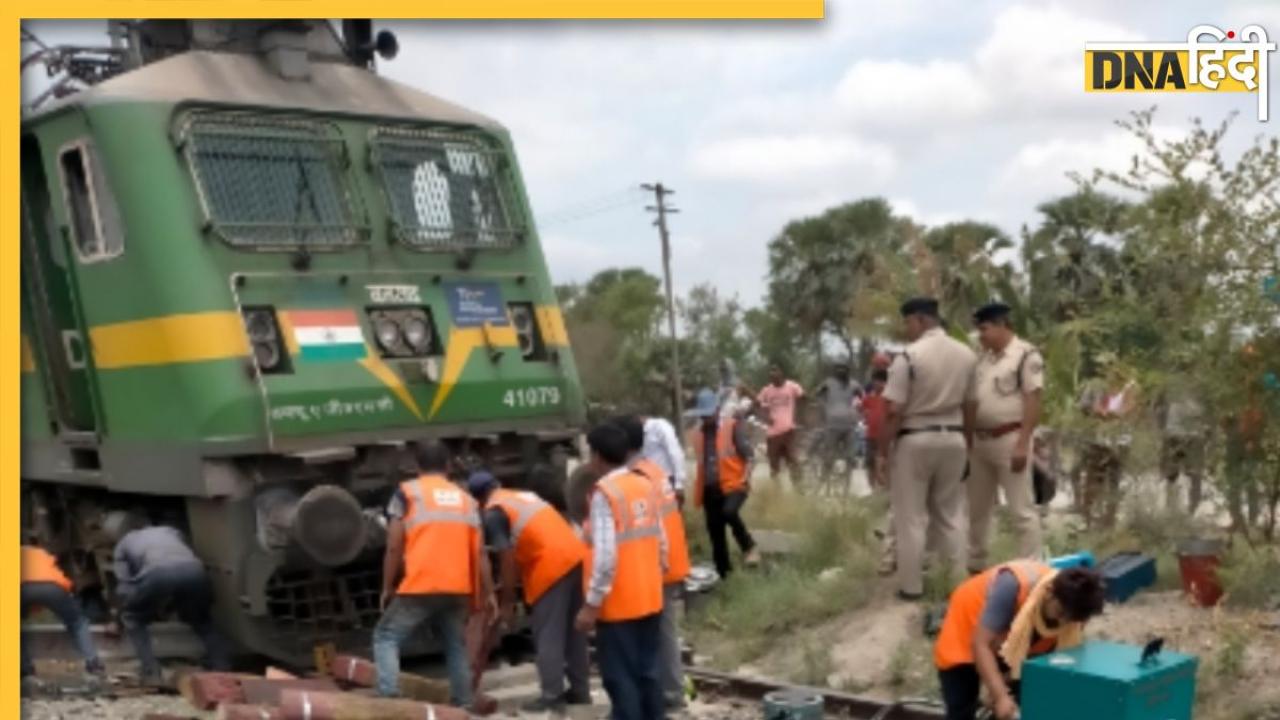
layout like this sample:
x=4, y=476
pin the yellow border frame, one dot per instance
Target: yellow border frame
x=9, y=179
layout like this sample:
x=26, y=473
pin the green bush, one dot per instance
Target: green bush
x=1251, y=577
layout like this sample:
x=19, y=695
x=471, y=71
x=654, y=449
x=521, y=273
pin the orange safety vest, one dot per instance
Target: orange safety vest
x=733, y=468
x=442, y=539
x=39, y=566
x=546, y=547
x=964, y=611
x=672, y=521
x=637, y=578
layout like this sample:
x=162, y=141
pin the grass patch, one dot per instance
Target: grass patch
x=815, y=666
x=831, y=571
x=1223, y=679
x=911, y=671
x=1229, y=660
x=1251, y=577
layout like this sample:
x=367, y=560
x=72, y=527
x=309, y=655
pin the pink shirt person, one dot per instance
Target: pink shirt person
x=780, y=401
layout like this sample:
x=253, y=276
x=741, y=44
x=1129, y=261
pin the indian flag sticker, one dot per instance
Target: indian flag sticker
x=327, y=335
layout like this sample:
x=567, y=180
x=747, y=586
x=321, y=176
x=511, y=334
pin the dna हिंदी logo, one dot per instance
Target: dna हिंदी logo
x=1210, y=60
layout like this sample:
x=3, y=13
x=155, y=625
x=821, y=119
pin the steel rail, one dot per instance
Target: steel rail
x=716, y=683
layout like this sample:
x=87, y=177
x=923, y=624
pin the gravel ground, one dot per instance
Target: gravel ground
x=106, y=709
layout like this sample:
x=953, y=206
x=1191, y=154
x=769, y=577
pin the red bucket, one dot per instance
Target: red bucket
x=1198, y=564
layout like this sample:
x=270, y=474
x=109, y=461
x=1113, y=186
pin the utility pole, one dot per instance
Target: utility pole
x=659, y=206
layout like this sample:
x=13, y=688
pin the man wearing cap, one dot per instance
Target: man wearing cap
x=1001, y=414
x=724, y=456
x=539, y=550
x=923, y=448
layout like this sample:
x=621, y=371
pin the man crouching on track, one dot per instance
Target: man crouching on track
x=156, y=569
x=627, y=559
x=434, y=551
x=540, y=551
x=999, y=618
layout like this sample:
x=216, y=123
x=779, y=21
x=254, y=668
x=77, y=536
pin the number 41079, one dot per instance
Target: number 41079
x=537, y=396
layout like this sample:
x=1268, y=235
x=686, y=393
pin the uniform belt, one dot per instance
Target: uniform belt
x=931, y=429
x=998, y=431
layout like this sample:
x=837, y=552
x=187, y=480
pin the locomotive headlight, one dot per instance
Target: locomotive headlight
x=417, y=334
x=522, y=319
x=260, y=325
x=267, y=355
x=264, y=340
x=403, y=332
x=388, y=334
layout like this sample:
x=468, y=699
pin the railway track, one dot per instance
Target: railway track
x=720, y=684
x=517, y=683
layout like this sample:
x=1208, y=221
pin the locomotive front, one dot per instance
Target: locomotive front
x=313, y=267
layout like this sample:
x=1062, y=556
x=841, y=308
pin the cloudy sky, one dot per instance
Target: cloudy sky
x=949, y=108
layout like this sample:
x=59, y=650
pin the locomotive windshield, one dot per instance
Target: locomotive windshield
x=446, y=189
x=272, y=183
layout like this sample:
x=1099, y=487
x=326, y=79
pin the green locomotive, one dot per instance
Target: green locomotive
x=253, y=271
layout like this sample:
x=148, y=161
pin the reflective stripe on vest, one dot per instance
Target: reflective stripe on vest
x=678, y=565
x=731, y=466
x=954, y=646
x=545, y=545
x=422, y=515
x=442, y=539
x=637, y=582
x=525, y=505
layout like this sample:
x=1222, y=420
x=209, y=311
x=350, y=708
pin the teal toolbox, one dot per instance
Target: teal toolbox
x=1104, y=681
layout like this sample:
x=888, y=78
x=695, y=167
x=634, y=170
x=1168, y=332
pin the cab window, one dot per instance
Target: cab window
x=92, y=214
x=446, y=189
x=268, y=183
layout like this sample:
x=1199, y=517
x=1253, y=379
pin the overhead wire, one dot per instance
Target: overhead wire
x=591, y=207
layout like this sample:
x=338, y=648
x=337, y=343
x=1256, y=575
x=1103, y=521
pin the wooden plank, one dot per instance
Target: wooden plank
x=308, y=705
x=239, y=711
x=261, y=691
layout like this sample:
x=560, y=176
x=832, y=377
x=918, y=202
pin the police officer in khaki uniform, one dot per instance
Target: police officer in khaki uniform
x=924, y=446
x=1002, y=411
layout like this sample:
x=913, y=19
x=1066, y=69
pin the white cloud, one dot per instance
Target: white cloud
x=1033, y=58
x=906, y=207
x=882, y=93
x=784, y=158
x=1039, y=169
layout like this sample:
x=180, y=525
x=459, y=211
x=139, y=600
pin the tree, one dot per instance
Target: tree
x=966, y=273
x=627, y=298
x=613, y=322
x=1197, y=245
x=713, y=330
x=818, y=265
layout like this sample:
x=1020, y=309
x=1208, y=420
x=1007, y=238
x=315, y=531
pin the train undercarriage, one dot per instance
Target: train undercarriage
x=294, y=547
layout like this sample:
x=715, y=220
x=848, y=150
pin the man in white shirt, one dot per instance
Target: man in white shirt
x=662, y=447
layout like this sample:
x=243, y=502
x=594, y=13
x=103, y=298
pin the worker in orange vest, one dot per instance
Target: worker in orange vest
x=723, y=454
x=45, y=585
x=627, y=559
x=433, y=571
x=678, y=559
x=1002, y=616
x=539, y=550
